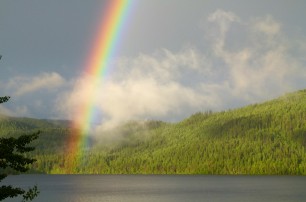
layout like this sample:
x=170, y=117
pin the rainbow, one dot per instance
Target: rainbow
x=105, y=44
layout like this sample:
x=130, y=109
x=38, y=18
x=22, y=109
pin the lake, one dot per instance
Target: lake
x=135, y=188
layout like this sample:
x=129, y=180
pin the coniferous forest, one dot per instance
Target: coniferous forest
x=266, y=138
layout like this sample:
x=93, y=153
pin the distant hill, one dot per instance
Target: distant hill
x=53, y=132
x=23, y=123
x=266, y=138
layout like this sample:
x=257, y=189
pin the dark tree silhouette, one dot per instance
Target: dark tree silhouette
x=11, y=156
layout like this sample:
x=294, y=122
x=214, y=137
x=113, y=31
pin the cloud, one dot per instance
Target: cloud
x=145, y=98
x=264, y=66
x=32, y=95
x=148, y=86
x=168, y=84
x=267, y=25
x=25, y=85
x=19, y=111
x=222, y=21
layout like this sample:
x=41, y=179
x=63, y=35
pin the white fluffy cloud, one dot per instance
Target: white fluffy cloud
x=263, y=67
x=175, y=84
x=241, y=61
x=143, y=87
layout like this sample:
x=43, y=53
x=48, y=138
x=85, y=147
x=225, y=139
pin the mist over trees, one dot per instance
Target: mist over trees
x=267, y=138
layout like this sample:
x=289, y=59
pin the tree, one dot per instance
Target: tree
x=11, y=156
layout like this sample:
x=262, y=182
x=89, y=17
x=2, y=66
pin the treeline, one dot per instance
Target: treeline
x=267, y=138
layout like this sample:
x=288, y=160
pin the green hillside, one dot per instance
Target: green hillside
x=267, y=138
x=53, y=132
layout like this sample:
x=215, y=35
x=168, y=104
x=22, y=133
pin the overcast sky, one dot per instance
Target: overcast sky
x=175, y=57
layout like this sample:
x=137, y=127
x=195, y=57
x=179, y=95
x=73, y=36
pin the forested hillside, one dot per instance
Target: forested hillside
x=267, y=138
x=53, y=132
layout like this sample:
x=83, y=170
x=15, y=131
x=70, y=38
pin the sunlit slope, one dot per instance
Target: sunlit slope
x=267, y=138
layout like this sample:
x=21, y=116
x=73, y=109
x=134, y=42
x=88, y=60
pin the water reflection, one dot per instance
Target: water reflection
x=134, y=188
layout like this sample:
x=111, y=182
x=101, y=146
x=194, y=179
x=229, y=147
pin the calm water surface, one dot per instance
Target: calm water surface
x=135, y=188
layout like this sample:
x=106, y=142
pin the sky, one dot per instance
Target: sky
x=174, y=58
